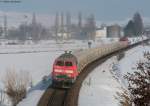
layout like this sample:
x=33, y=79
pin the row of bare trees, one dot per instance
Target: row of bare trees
x=83, y=29
x=63, y=27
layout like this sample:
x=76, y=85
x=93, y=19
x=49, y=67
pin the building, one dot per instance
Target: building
x=147, y=31
x=101, y=32
x=114, y=31
x=63, y=36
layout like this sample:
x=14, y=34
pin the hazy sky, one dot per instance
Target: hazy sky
x=104, y=10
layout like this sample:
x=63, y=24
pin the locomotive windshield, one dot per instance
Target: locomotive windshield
x=60, y=63
x=68, y=63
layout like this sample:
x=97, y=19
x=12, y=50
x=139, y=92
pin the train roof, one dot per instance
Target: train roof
x=67, y=56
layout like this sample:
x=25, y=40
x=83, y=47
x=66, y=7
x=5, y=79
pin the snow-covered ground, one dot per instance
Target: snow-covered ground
x=132, y=57
x=100, y=87
x=39, y=64
x=129, y=62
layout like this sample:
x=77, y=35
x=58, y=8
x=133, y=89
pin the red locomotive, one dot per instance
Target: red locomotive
x=64, y=70
x=124, y=39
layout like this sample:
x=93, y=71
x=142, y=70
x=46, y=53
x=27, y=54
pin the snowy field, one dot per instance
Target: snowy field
x=39, y=63
x=100, y=87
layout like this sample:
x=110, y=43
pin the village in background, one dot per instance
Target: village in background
x=67, y=28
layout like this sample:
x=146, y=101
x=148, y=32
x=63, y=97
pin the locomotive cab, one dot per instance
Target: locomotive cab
x=65, y=69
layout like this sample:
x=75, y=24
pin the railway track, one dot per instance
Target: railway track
x=69, y=97
x=53, y=97
x=59, y=95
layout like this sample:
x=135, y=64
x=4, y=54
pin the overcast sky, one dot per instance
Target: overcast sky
x=104, y=10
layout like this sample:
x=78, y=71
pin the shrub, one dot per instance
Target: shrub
x=16, y=85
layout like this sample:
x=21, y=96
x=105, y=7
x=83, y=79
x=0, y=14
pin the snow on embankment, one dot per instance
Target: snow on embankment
x=128, y=63
x=100, y=87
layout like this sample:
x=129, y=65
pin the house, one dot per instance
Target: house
x=101, y=32
x=114, y=31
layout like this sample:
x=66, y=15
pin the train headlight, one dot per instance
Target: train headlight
x=69, y=71
x=57, y=70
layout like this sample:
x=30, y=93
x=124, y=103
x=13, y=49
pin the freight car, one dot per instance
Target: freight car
x=68, y=66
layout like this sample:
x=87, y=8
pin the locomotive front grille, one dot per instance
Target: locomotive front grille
x=64, y=78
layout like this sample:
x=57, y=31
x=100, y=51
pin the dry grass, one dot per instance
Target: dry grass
x=124, y=98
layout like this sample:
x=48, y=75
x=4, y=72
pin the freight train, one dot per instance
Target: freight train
x=68, y=66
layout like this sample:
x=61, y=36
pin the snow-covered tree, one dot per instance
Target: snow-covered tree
x=139, y=82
